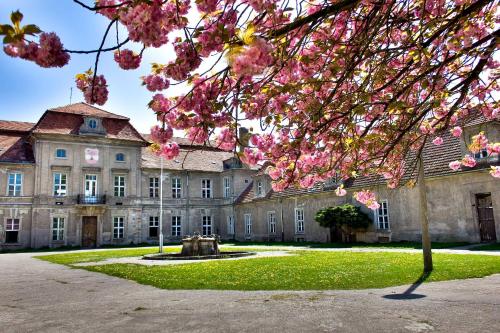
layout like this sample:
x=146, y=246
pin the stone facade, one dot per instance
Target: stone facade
x=82, y=176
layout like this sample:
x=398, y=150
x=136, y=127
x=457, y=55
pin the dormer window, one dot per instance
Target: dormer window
x=92, y=123
x=259, y=188
x=483, y=153
x=61, y=153
x=120, y=157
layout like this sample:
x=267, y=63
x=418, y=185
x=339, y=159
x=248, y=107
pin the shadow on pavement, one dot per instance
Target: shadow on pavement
x=408, y=293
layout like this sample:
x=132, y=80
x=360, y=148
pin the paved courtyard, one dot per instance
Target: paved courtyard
x=37, y=296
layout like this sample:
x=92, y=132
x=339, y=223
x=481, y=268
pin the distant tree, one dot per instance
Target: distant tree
x=346, y=219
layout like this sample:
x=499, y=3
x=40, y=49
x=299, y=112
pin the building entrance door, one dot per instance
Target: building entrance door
x=89, y=231
x=485, y=217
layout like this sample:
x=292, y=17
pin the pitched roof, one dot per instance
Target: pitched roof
x=85, y=109
x=189, y=159
x=15, y=126
x=14, y=148
x=68, y=119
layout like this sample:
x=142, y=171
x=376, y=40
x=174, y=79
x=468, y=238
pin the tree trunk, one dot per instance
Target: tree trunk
x=424, y=222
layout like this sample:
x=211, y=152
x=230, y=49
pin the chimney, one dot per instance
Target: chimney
x=243, y=137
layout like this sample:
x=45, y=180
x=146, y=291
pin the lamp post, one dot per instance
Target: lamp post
x=161, y=207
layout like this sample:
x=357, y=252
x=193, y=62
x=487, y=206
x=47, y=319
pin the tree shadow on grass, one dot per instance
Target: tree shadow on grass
x=408, y=293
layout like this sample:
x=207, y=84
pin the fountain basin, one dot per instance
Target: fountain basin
x=180, y=256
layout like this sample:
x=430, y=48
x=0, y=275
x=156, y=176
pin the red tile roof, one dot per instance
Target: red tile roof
x=14, y=148
x=15, y=126
x=87, y=110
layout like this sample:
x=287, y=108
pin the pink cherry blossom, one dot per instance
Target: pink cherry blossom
x=340, y=191
x=127, y=59
x=367, y=198
x=456, y=131
x=155, y=82
x=493, y=148
x=468, y=161
x=169, y=150
x=455, y=165
x=495, y=171
x=226, y=139
x=161, y=135
x=438, y=141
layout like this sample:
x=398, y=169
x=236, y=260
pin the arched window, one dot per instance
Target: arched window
x=93, y=123
x=61, y=153
x=120, y=157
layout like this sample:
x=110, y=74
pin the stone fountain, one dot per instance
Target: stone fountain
x=198, y=247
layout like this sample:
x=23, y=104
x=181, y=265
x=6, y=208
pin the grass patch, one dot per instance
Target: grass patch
x=487, y=247
x=71, y=258
x=318, y=270
x=398, y=245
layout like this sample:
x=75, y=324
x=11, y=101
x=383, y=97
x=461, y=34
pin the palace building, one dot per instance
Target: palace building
x=82, y=176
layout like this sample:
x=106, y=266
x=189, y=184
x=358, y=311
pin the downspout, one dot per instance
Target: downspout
x=282, y=223
x=187, y=203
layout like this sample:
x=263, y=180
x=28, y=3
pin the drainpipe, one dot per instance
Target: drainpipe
x=187, y=203
x=282, y=223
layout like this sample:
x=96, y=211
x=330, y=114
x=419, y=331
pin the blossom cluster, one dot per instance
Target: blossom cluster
x=187, y=60
x=127, y=59
x=367, y=198
x=253, y=59
x=48, y=53
x=95, y=90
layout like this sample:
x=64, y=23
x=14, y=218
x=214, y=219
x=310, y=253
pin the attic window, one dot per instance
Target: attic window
x=120, y=157
x=93, y=123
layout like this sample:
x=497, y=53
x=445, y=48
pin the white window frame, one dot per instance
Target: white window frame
x=248, y=224
x=17, y=188
x=382, y=220
x=271, y=222
x=96, y=181
x=176, y=225
x=480, y=155
x=206, y=190
x=259, y=188
x=120, y=187
x=226, y=183
x=65, y=157
x=58, y=231
x=118, y=227
x=18, y=230
x=58, y=187
x=206, y=224
x=176, y=184
x=154, y=222
x=299, y=221
x=230, y=225
x=154, y=187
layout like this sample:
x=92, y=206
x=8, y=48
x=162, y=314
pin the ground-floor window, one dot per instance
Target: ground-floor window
x=12, y=231
x=118, y=227
x=206, y=225
x=176, y=226
x=299, y=220
x=271, y=221
x=248, y=224
x=230, y=225
x=382, y=215
x=58, y=228
x=153, y=226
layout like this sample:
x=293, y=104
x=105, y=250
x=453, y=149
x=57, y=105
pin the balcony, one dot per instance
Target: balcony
x=89, y=200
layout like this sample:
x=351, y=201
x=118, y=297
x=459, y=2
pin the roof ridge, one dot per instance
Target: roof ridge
x=55, y=109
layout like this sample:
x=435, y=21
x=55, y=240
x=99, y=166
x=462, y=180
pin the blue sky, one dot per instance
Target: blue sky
x=27, y=90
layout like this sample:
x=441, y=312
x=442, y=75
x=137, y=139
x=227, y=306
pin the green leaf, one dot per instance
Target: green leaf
x=8, y=39
x=31, y=29
x=16, y=17
x=6, y=29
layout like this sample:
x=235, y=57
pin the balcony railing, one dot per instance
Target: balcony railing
x=89, y=200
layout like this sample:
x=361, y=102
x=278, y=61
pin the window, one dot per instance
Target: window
x=227, y=187
x=153, y=226
x=248, y=224
x=12, y=231
x=120, y=157
x=206, y=188
x=206, y=225
x=58, y=228
x=93, y=123
x=176, y=188
x=230, y=225
x=382, y=215
x=176, y=226
x=259, y=188
x=15, y=184
x=60, y=184
x=154, y=187
x=118, y=227
x=299, y=220
x=271, y=221
x=483, y=153
x=119, y=186
x=61, y=153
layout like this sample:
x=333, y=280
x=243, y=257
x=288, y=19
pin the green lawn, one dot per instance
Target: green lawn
x=304, y=271
x=487, y=247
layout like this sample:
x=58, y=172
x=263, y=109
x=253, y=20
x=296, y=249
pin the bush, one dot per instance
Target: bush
x=346, y=219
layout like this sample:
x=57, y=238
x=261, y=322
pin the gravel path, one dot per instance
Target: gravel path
x=37, y=296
